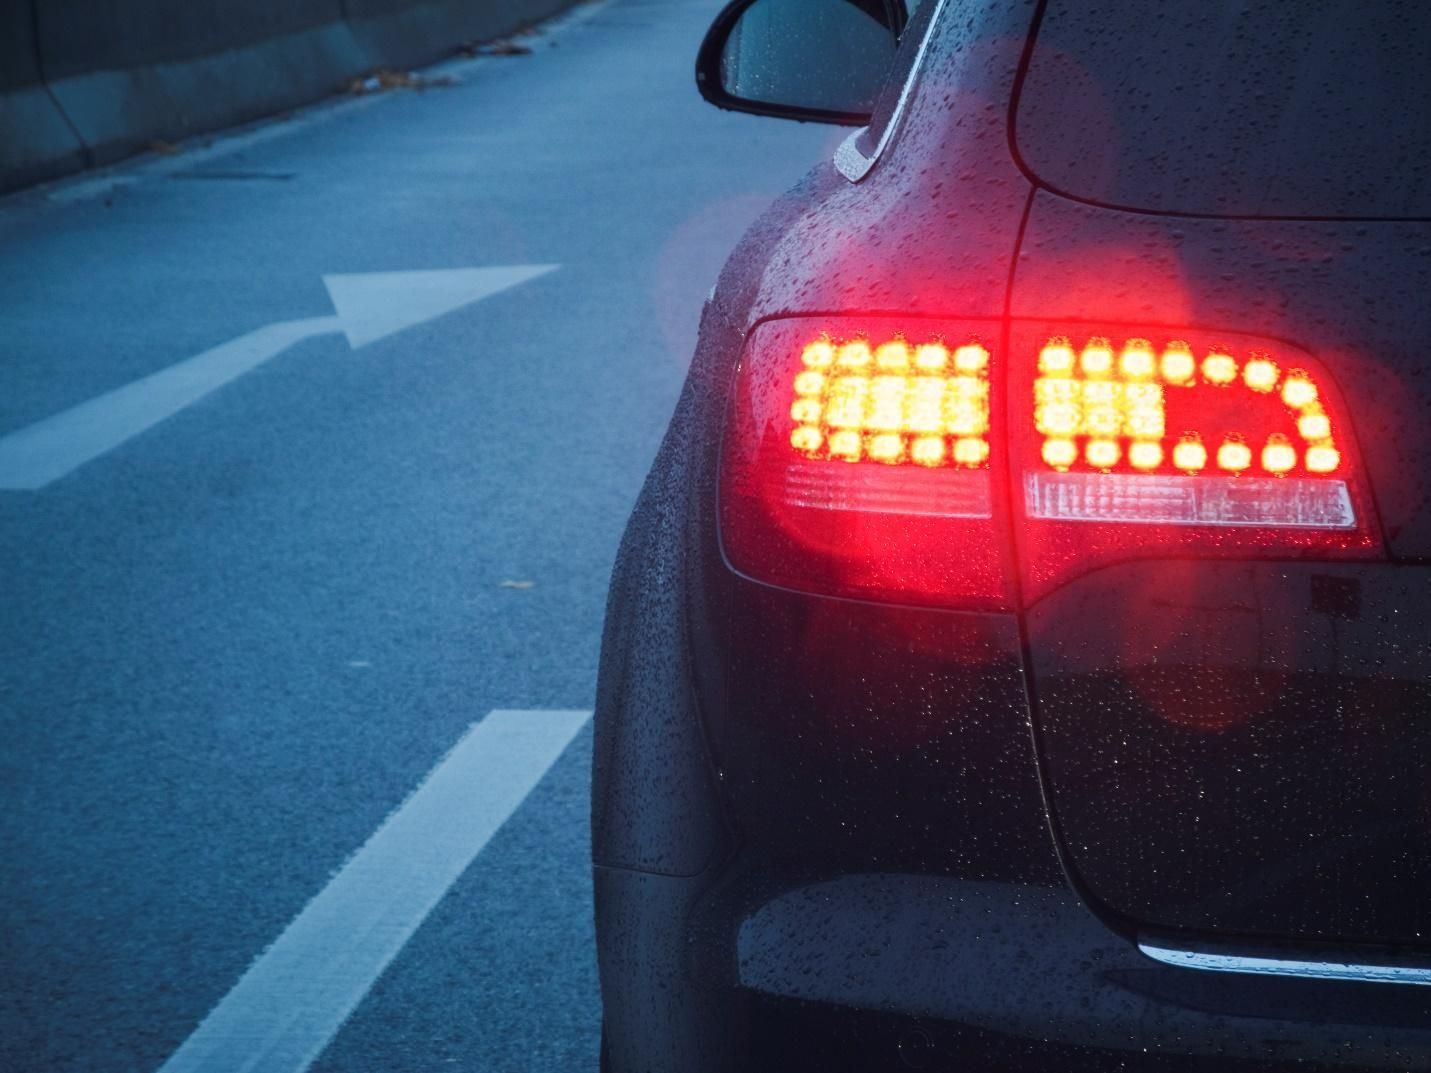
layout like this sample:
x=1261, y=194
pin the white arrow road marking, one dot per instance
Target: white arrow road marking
x=373, y=305
x=291, y=1002
x=370, y=306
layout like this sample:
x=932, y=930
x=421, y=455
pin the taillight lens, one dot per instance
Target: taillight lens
x=1144, y=443
x=874, y=460
x=858, y=461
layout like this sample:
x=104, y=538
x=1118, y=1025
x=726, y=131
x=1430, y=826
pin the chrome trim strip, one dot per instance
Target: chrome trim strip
x=849, y=161
x=1270, y=966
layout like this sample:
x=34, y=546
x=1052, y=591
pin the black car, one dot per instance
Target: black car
x=1019, y=657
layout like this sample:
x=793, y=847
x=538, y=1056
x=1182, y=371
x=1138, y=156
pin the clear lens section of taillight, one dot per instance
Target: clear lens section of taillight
x=1135, y=444
x=1147, y=499
x=858, y=461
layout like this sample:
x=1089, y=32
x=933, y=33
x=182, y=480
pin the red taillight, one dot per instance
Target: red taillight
x=1138, y=444
x=857, y=462
x=867, y=460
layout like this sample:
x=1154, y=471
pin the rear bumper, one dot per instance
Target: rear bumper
x=874, y=972
x=1033, y=965
x=822, y=845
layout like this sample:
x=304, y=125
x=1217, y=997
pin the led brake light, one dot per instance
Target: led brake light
x=893, y=403
x=1181, y=445
x=857, y=461
x=1164, y=434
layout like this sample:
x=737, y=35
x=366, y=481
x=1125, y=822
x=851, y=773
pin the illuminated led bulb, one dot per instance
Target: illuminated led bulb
x=1102, y=454
x=1190, y=455
x=1143, y=410
x=1097, y=358
x=809, y=383
x=845, y=445
x=1323, y=458
x=1060, y=454
x=845, y=403
x=971, y=450
x=806, y=411
x=855, y=355
x=1178, y=364
x=887, y=447
x=1234, y=456
x=1057, y=419
x=819, y=354
x=1145, y=456
x=1314, y=424
x=1056, y=358
x=886, y=403
x=1137, y=361
x=971, y=358
x=892, y=357
x=931, y=357
x=968, y=422
x=806, y=439
x=1219, y=368
x=1056, y=405
x=1060, y=389
x=1298, y=391
x=1102, y=421
x=927, y=450
x=1145, y=424
x=1260, y=374
x=1278, y=456
x=926, y=405
x=1102, y=415
x=966, y=406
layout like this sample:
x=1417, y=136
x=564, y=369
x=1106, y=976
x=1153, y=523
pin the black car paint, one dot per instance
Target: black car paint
x=803, y=806
x=1254, y=763
x=1343, y=705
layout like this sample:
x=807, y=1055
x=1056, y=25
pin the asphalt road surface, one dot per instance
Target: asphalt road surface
x=277, y=533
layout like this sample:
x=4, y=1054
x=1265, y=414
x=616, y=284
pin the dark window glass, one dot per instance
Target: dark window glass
x=1245, y=107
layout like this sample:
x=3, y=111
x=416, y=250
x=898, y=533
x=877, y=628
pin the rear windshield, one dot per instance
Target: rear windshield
x=1236, y=107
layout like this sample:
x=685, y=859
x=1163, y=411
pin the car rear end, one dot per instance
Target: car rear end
x=1235, y=721
x=1021, y=654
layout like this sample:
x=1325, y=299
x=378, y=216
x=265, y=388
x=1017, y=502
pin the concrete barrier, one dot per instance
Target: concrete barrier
x=36, y=142
x=130, y=74
x=91, y=81
x=405, y=33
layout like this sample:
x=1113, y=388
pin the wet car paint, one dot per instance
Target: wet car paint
x=804, y=807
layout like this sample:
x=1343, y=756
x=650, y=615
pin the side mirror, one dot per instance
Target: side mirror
x=819, y=60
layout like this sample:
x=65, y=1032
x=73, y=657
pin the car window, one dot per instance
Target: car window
x=1258, y=108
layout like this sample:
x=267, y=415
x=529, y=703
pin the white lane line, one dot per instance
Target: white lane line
x=33, y=457
x=288, y=1005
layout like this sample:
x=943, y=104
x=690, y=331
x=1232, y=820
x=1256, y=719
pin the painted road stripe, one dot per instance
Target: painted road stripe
x=370, y=305
x=33, y=457
x=288, y=1005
